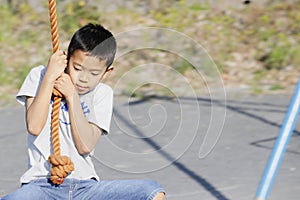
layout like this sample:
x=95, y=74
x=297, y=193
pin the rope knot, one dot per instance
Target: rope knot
x=61, y=167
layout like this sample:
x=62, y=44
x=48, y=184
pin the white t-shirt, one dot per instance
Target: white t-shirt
x=97, y=107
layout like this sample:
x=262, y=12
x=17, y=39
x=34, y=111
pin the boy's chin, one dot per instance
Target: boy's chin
x=81, y=92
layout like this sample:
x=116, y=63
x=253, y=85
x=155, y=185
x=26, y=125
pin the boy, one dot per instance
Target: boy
x=84, y=116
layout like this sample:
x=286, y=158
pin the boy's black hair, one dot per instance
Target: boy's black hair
x=96, y=40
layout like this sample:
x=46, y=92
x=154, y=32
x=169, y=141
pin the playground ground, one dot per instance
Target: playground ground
x=177, y=143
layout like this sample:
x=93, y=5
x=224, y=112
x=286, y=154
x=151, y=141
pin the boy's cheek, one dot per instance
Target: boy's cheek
x=73, y=76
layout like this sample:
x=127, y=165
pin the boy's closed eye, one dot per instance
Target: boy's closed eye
x=96, y=73
x=77, y=68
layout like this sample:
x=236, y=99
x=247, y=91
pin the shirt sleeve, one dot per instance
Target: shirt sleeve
x=31, y=84
x=102, y=107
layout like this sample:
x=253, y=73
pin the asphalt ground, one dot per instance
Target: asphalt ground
x=196, y=148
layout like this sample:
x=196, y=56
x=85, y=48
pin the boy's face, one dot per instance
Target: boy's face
x=86, y=71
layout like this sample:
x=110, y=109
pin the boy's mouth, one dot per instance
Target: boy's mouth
x=81, y=88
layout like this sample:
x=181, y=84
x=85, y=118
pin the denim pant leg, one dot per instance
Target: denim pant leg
x=73, y=189
x=42, y=189
x=28, y=191
x=119, y=189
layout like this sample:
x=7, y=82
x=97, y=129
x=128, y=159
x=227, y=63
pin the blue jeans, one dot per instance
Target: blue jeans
x=87, y=189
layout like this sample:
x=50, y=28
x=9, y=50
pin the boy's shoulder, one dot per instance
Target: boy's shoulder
x=39, y=70
x=104, y=86
x=103, y=89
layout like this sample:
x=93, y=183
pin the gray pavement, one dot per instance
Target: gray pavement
x=177, y=143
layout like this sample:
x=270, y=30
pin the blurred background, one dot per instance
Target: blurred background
x=255, y=45
x=172, y=48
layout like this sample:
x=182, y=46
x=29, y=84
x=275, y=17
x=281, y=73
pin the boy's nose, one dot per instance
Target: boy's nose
x=83, y=77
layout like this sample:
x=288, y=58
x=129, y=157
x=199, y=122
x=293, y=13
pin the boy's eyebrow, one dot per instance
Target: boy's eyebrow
x=80, y=65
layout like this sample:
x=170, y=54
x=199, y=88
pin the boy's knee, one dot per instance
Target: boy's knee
x=160, y=196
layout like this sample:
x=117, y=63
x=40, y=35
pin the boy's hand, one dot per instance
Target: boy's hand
x=65, y=86
x=56, y=65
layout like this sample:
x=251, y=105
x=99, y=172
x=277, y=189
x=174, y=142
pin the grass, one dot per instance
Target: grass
x=26, y=41
x=4, y=77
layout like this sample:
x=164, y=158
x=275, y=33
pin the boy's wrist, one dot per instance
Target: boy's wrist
x=49, y=82
x=49, y=78
x=70, y=98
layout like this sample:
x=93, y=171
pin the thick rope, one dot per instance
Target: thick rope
x=61, y=165
x=54, y=25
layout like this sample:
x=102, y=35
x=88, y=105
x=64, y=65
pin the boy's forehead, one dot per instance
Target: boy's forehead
x=86, y=60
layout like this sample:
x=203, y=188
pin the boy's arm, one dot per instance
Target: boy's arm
x=37, y=107
x=85, y=134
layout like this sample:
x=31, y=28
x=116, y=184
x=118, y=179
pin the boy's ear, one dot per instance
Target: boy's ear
x=109, y=69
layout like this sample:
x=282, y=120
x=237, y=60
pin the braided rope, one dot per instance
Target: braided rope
x=54, y=25
x=55, y=125
x=61, y=165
